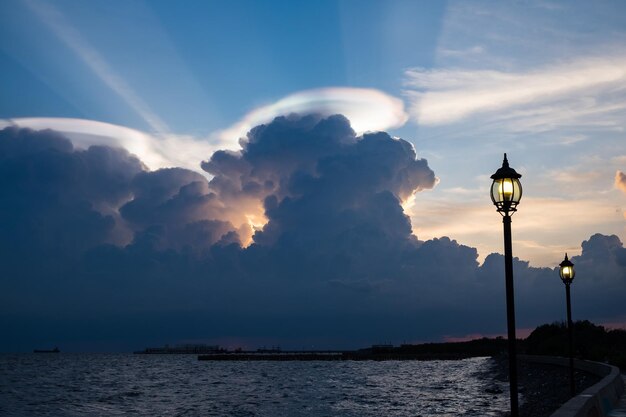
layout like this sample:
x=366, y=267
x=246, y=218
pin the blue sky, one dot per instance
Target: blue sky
x=221, y=58
x=462, y=81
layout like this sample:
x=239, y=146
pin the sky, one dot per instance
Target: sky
x=204, y=171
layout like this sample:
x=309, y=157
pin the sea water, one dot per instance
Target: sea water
x=180, y=385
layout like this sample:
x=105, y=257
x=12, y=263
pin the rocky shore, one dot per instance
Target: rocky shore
x=543, y=388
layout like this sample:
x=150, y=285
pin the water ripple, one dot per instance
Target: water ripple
x=179, y=385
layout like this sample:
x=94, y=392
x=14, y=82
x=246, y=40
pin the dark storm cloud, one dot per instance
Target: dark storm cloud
x=55, y=199
x=58, y=199
x=93, y=244
x=600, y=284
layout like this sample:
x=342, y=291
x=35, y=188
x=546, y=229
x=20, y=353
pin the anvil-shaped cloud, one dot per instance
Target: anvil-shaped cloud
x=164, y=151
x=367, y=109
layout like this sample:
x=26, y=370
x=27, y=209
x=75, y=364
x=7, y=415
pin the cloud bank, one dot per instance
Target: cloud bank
x=299, y=239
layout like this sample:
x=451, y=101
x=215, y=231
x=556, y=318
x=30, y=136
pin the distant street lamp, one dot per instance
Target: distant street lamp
x=506, y=192
x=567, y=274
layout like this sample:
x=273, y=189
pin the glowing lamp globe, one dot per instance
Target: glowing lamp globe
x=567, y=271
x=506, y=189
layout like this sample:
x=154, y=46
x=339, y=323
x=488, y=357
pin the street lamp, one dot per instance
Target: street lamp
x=506, y=192
x=567, y=273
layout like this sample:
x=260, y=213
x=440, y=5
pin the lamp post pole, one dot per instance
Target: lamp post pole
x=572, y=383
x=567, y=274
x=510, y=314
x=506, y=192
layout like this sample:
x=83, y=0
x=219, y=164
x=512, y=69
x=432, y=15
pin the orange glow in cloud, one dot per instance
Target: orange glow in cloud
x=256, y=222
x=545, y=228
x=620, y=181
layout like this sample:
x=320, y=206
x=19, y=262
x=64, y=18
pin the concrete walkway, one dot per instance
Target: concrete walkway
x=598, y=399
x=620, y=408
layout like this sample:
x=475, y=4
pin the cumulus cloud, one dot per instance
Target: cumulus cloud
x=294, y=159
x=176, y=205
x=91, y=236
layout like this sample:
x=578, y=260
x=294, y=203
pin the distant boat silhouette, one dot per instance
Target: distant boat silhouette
x=55, y=350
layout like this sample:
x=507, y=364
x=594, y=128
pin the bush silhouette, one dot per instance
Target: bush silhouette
x=591, y=342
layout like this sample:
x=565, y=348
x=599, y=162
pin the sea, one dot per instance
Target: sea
x=66, y=384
